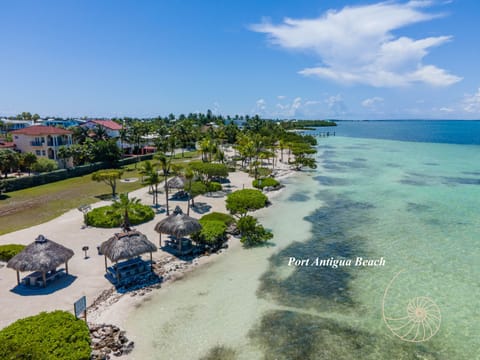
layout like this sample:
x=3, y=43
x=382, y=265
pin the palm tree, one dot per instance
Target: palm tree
x=123, y=203
x=64, y=153
x=153, y=180
x=80, y=134
x=164, y=162
x=146, y=169
x=189, y=178
x=100, y=133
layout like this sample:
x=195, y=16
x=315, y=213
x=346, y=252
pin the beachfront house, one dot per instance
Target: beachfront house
x=43, y=141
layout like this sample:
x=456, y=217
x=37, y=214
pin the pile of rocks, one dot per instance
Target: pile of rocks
x=108, y=340
x=170, y=269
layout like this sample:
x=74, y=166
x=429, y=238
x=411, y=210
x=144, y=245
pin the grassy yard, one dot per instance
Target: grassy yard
x=28, y=207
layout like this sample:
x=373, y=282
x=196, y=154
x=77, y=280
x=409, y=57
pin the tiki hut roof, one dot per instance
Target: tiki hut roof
x=127, y=245
x=41, y=255
x=178, y=224
x=177, y=182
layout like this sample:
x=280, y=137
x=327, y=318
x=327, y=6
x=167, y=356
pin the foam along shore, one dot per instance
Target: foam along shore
x=87, y=274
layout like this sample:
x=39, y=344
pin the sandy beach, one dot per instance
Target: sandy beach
x=87, y=273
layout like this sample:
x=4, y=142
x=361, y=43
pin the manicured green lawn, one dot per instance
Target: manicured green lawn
x=36, y=205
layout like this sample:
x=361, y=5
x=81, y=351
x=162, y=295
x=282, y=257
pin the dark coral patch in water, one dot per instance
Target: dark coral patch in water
x=327, y=154
x=298, y=197
x=414, y=207
x=333, y=236
x=459, y=181
x=331, y=181
x=290, y=335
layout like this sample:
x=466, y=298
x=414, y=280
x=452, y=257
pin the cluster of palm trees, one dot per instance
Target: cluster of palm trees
x=154, y=172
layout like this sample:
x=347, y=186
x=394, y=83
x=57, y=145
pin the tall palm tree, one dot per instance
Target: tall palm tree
x=153, y=180
x=100, y=133
x=164, y=163
x=188, y=187
x=64, y=153
x=125, y=204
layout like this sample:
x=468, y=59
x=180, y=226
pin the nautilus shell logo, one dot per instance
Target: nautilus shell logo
x=420, y=322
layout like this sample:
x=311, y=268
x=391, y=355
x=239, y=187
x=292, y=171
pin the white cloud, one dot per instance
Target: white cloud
x=336, y=105
x=356, y=44
x=281, y=97
x=471, y=103
x=260, y=107
x=372, y=102
x=290, y=109
x=446, y=109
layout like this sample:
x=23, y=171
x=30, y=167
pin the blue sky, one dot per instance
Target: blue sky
x=280, y=59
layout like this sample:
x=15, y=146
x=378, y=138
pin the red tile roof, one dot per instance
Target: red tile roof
x=6, y=144
x=41, y=130
x=109, y=124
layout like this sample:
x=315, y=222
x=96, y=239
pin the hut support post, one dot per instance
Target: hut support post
x=18, y=277
x=160, y=240
x=105, y=256
x=66, y=267
x=151, y=261
x=116, y=270
x=44, y=277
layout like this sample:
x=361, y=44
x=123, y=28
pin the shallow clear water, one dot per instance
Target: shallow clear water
x=414, y=204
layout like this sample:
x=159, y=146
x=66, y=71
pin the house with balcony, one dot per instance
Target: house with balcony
x=43, y=141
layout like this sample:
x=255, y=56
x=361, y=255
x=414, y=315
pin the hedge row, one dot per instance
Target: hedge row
x=9, y=251
x=62, y=174
x=108, y=217
x=261, y=183
x=46, y=336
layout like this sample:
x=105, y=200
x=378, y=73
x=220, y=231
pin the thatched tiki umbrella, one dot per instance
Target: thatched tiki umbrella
x=42, y=255
x=177, y=224
x=125, y=246
x=176, y=182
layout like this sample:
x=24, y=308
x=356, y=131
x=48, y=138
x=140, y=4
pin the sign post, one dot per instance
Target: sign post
x=80, y=306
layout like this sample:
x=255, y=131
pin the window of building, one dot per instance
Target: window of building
x=43, y=152
x=37, y=152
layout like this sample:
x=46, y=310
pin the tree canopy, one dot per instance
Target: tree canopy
x=108, y=177
x=240, y=202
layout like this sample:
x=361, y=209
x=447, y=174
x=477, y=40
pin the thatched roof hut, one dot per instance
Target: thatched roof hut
x=126, y=246
x=177, y=182
x=43, y=255
x=177, y=224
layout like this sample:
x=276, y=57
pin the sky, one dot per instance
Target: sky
x=312, y=59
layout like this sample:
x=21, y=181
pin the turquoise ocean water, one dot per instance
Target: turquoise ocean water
x=416, y=204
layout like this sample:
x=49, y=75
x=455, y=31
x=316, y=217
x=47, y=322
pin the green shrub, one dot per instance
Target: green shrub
x=212, y=233
x=46, y=336
x=216, y=216
x=214, y=186
x=240, y=202
x=108, y=217
x=252, y=232
x=9, y=251
x=261, y=183
x=44, y=165
x=263, y=172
